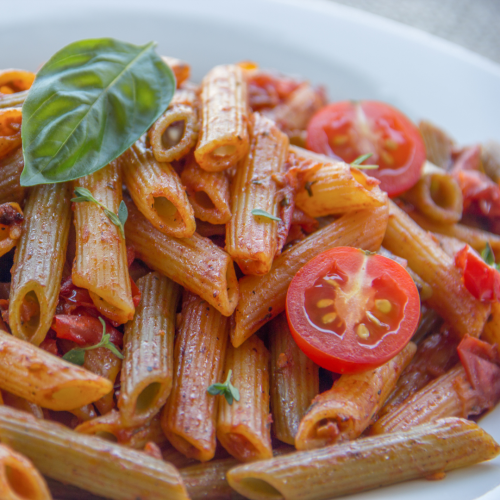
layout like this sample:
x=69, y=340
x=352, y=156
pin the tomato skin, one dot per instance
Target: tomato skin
x=348, y=130
x=481, y=280
x=346, y=353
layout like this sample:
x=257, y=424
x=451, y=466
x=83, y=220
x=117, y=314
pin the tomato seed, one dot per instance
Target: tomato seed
x=362, y=331
x=329, y=318
x=324, y=303
x=383, y=305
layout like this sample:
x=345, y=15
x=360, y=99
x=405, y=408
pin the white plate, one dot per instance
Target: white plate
x=354, y=54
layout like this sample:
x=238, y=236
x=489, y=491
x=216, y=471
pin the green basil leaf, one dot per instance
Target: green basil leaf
x=75, y=356
x=234, y=392
x=88, y=104
x=229, y=397
x=123, y=213
x=114, y=350
x=262, y=213
x=216, y=389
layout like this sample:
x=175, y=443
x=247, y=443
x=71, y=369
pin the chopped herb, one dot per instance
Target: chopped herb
x=489, y=257
x=262, y=213
x=83, y=194
x=77, y=355
x=360, y=159
x=226, y=389
x=308, y=187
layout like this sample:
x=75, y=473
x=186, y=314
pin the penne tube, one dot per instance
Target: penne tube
x=88, y=462
x=491, y=332
x=189, y=418
x=244, y=427
x=294, y=114
x=251, y=239
x=294, y=381
x=148, y=347
x=15, y=80
x=450, y=395
x=112, y=428
x=157, y=192
x=208, y=481
x=10, y=168
x=11, y=219
x=100, y=264
x=44, y=379
x=22, y=404
x=223, y=137
x=434, y=357
x=10, y=130
x=327, y=187
x=437, y=196
x=342, y=469
x=195, y=263
x=181, y=69
x=349, y=407
x=19, y=480
x=104, y=363
x=263, y=297
x=39, y=262
x=475, y=237
x=449, y=298
x=438, y=145
x=490, y=160
x=208, y=193
x=175, y=133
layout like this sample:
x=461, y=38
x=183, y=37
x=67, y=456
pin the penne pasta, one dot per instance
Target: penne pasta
x=146, y=376
x=450, y=298
x=112, y=428
x=157, y=192
x=435, y=356
x=252, y=239
x=100, y=264
x=342, y=469
x=10, y=130
x=39, y=262
x=294, y=381
x=349, y=407
x=223, y=138
x=19, y=480
x=90, y=463
x=244, y=427
x=175, y=133
x=189, y=418
x=490, y=160
x=263, y=297
x=10, y=188
x=181, y=69
x=326, y=187
x=15, y=80
x=195, y=263
x=437, y=196
x=438, y=145
x=44, y=379
x=208, y=193
x=11, y=218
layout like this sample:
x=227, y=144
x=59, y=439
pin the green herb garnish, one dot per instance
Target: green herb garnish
x=360, y=159
x=83, y=194
x=262, y=213
x=88, y=104
x=489, y=257
x=226, y=389
x=308, y=187
x=77, y=355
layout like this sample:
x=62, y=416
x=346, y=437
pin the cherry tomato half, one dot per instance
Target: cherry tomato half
x=351, y=310
x=480, y=279
x=350, y=129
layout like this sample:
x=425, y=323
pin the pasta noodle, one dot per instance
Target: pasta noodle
x=10, y=188
x=10, y=130
x=223, y=137
x=11, y=217
x=39, y=261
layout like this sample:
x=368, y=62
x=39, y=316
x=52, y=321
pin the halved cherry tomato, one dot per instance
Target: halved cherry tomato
x=480, y=279
x=350, y=129
x=351, y=310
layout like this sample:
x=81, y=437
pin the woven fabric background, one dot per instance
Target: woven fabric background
x=474, y=24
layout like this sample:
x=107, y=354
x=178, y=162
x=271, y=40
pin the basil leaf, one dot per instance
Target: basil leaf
x=262, y=213
x=75, y=356
x=123, y=212
x=88, y=104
